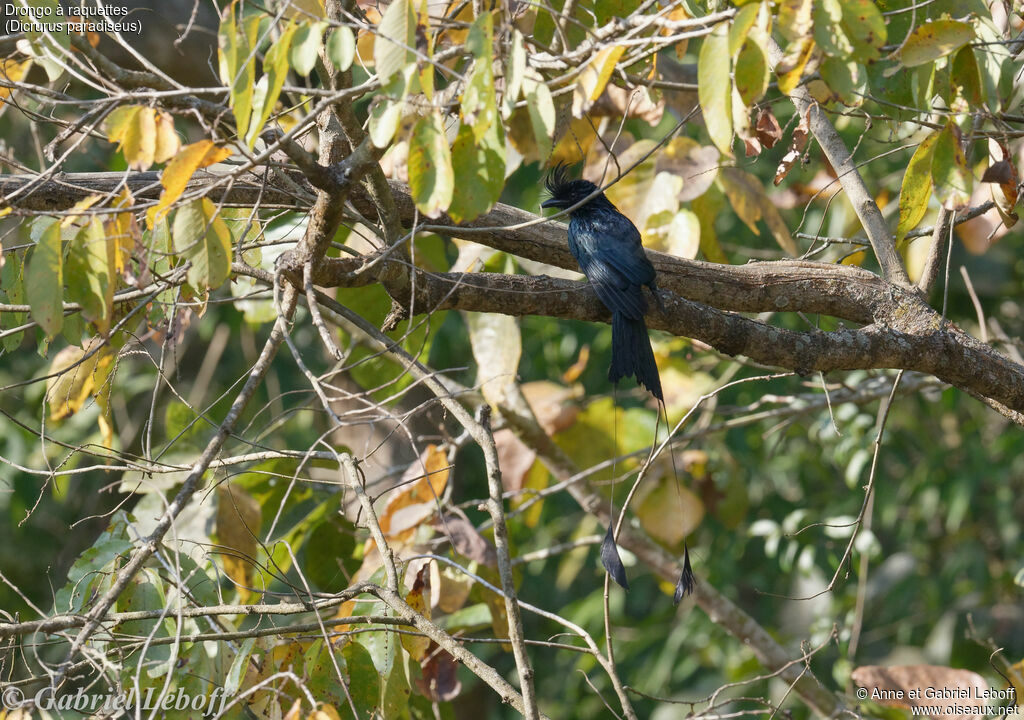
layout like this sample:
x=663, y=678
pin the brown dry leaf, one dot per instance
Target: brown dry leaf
x=466, y=540
x=795, y=149
x=239, y=518
x=553, y=405
x=696, y=164
x=892, y=686
x=636, y=103
x=1003, y=173
x=416, y=500
x=450, y=588
x=419, y=600
x=767, y=127
x=440, y=680
x=515, y=459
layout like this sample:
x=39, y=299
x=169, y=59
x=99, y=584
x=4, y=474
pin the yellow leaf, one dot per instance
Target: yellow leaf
x=122, y=230
x=179, y=171
x=916, y=189
x=594, y=77
x=139, y=144
x=791, y=68
x=238, y=524
x=167, y=141
x=419, y=600
x=13, y=71
x=74, y=379
x=119, y=121
x=75, y=213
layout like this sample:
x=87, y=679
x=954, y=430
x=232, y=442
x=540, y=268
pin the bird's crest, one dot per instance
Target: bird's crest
x=564, y=190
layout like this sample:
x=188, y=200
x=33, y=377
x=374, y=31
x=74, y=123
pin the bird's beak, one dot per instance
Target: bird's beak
x=551, y=203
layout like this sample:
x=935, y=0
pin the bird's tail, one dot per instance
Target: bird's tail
x=632, y=354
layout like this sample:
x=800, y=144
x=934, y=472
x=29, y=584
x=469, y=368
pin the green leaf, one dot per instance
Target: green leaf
x=341, y=47
x=395, y=37
x=49, y=48
x=89, y=274
x=94, y=568
x=306, y=46
x=740, y=26
x=44, y=280
x=965, y=77
x=203, y=238
x=386, y=113
x=514, y=73
x=932, y=40
x=541, y=107
x=12, y=289
x=846, y=80
x=479, y=165
x=950, y=173
x=431, y=179
x=829, y=32
x=715, y=89
x=751, y=72
x=363, y=679
x=275, y=69
x=864, y=25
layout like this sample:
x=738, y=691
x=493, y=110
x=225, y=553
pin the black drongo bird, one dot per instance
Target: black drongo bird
x=607, y=247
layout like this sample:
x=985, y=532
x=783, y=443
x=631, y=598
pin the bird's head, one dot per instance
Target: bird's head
x=565, y=192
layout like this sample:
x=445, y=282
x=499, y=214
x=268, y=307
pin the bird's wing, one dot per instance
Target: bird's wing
x=620, y=247
x=615, y=290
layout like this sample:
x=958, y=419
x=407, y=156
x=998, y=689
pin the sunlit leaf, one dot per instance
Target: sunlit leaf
x=715, y=89
x=916, y=189
x=931, y=40
x=139, y=143
x=431, y=178
x=591, y=81
x=514, y=73
x=341, y=47
x=541, y=107
x=479, y=168
x=275, y=69
x=791, y=69
x=305, y=47
x=392, y=50
x=950, y=173
x=740, y=26
x=180, y=169
x=201, y=236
